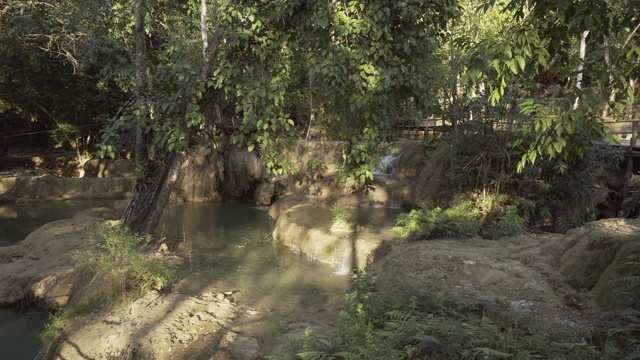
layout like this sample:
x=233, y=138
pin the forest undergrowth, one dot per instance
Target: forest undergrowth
x=485, y=196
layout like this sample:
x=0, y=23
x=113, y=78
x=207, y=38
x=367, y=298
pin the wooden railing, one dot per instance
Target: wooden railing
x=434, y=126
x=422, y=128
x=627, y=130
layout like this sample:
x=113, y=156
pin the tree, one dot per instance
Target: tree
x=163, y=113
x=366, y=62
x=51, y=70
x=363, y=67
x=560, y=124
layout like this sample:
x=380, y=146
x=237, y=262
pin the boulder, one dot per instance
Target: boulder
x=102, y=168
x=309, y=229
x=42, y=268
x=597, y=261
x=158, y=326
x=243, y=171
x=264, y=193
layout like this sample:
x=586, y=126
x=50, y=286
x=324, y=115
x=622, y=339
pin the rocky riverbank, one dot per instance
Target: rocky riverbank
x=41, y=269
x=567, y=279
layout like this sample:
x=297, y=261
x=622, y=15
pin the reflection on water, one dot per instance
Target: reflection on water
x=232, y=243
x=19, y=334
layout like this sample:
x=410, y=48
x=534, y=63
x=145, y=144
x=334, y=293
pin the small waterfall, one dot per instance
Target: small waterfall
x=345, y=268
x=387, y=165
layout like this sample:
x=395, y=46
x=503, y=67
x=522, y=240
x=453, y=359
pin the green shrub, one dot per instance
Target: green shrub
x=120, y=258
x=60, y=320
x=551, y=195
x=509, y=224
x=341, y=215
x=460, y=220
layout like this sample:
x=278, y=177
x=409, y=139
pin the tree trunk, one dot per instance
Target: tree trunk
x=141, y=152
x=150, y=197
x=5, y=150
x=312, y=116
x=607, y=60
x=583, y=53
x=152, y=191
x=454, y=84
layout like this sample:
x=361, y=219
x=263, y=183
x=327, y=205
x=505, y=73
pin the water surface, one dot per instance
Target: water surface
x=19, y=220
x=227, y=244
x=20, y=334
x=232, y=243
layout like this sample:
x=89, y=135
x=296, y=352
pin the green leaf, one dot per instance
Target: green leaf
x=521, y=61
x=588, y=23
x=542, y=60
x=532, y=157
x=507, y=52
x=512, y=66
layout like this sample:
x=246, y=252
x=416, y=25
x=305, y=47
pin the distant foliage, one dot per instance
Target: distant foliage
x=509, y=224
x=554, y=196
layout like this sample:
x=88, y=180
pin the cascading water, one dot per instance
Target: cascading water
x=392, y=186
x=388, y=165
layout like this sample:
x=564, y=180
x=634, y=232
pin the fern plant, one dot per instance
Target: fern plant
x=431, y=328
x=624, y=339
x=509, y=224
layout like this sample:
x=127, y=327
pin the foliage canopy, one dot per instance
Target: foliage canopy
x=344, y=70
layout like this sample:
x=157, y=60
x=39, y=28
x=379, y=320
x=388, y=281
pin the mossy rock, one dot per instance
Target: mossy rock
x=342, y=227
x=598, y=263
x=614, y=290
x=584, y=264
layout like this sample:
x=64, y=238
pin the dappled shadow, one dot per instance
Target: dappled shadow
x=79, y=354
x=231, y=262
x=272, y=282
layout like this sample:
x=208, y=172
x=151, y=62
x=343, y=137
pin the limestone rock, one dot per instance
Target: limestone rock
x=41, y=268
x=200, y=177
x=239, y=347
x=306, y=229
x=48, y=187
x=264, y=193
x=595, y=261
x=102, y=168
x=157, y=326
x=243, y=169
